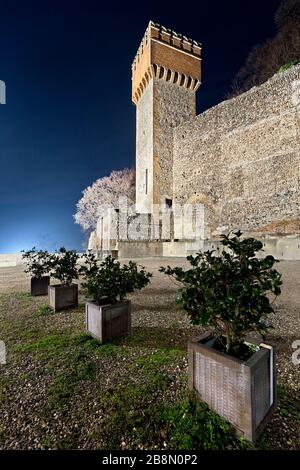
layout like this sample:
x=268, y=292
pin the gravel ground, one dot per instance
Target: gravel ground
x=58, y=390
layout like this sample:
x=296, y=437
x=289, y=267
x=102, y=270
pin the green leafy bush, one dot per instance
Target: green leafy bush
x=229, y=291
x=64, y=266
x=38, y=263
x=109, y=281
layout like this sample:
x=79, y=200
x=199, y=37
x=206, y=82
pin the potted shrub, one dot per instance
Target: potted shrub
x=229, y=291
x=108, y=312
x=38, y=264
x=64, y=268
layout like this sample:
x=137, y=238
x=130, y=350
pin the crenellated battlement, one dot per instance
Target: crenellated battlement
x=166, y=55
x=167, y=36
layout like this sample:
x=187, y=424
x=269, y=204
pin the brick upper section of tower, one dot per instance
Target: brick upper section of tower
x=166, y=55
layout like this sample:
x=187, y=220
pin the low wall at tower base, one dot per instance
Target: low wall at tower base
x=139, y=249
x=285, y=248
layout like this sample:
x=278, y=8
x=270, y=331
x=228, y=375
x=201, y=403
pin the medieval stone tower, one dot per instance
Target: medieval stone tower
x=238, y=161
x=166, y=74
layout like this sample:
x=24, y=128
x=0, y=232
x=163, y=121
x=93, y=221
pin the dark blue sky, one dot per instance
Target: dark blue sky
x=69, y=118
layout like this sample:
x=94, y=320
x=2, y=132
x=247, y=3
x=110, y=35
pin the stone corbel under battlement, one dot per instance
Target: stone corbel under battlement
x=168, y=75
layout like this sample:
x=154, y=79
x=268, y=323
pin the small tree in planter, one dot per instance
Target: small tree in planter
x=229, y=292
x=108, y=313
x=64, y=268
x=38, y=265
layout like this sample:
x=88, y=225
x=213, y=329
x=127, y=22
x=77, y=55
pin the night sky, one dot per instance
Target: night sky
x=69, y=118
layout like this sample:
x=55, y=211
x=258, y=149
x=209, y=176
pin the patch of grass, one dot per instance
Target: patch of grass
x=160, y=381
x=48, y=442
x=137, y=413
x=159, y=358
x=289, y=406
x=44, y=310
x=151, y=367
x=24, y=299
x=66, y=443
x=103, y=350
x=129, y=406
x=286, y=67
x=18, y=330
x=110, y=349
x=50, y=343
x=2, y=395
x=126, y=413
x=262, y=443
x=4, y=383
x=57, y=344
x=2, y=435
x=150, y=337
x=191, y=425
x=63, y=443
x=20, y=295
x=187, y=424
x=61, y=390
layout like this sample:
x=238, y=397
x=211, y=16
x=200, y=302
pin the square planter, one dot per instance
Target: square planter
x=39, y=286
x=63, y=297
x=243, y=392
x=105, y=322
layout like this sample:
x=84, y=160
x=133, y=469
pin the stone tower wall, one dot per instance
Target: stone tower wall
x=172, y=105
x=161, y=108
x=165, y=77
x=144, y=150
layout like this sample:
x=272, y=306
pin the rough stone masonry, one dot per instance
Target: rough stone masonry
x=241, y=159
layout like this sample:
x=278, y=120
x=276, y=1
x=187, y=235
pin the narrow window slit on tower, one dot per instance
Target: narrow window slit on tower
x=169, y=203
x=146, y=181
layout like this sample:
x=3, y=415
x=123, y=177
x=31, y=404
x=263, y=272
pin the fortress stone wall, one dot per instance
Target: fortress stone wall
x=241, y=159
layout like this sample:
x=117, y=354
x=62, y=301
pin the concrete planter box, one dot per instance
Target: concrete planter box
x=63, y=297
x=243, y=392
x=105, y=322
x=39, y=286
